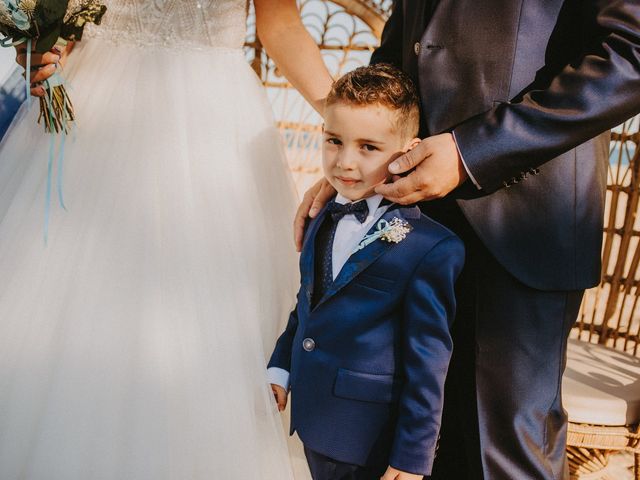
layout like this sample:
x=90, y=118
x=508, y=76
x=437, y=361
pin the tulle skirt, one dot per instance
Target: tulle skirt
x=133, y=344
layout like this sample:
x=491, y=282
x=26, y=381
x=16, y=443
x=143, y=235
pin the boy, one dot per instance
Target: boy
x=367, y=347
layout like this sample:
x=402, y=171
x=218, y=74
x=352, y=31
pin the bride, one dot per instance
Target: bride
x=132, y=344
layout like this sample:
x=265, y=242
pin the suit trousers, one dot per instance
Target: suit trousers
x=325, y=468
x=503, y=417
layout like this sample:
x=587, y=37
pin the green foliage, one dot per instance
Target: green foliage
x=49, y=17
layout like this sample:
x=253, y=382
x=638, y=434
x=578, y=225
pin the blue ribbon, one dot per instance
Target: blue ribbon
x=27, y=75
x=53, y=81
x=47, y=206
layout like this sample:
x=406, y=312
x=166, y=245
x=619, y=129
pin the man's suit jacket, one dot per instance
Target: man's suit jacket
x=367, y=363
x=528, y=87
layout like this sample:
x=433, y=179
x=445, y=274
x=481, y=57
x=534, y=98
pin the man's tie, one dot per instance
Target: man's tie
x=324, y=243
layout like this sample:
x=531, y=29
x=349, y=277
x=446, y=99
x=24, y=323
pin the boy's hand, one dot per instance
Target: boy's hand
x=393, y=474
x=280, y=394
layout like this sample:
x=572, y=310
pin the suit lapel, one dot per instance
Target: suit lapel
x=361, y=259
x=307, y=258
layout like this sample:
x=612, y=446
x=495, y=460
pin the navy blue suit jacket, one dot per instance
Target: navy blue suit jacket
x=369, y=384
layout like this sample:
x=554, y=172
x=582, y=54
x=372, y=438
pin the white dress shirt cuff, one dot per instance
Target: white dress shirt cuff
x=464, y=163
x=278, y=376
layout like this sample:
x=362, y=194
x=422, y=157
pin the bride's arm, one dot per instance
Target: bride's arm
x=288, y=43
x=43, y=64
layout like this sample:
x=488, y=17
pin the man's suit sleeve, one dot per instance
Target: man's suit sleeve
x=390, y=49
x=594, y=93
x=281, y=356
x=429, y=311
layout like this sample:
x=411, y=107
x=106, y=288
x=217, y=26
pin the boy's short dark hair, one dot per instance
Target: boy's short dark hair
x=381, y=84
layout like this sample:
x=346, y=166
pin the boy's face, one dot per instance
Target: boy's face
x=359, y=143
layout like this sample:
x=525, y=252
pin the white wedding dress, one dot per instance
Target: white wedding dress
x=133, y=344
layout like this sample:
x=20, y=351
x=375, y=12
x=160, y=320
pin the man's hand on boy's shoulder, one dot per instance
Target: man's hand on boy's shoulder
x=314, y=199
x=395, y=474
x=280, y=395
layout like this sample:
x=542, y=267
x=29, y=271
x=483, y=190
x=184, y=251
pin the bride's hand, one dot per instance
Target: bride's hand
x=43, y=65
x=314, y=199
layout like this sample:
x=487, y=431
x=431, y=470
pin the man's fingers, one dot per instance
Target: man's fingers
x=401, y=188
x=312, y=202
x=390, y=474
x=412, y=198
x=410, y=159
x=302, y=214
x=298, y=229
x=325, y=194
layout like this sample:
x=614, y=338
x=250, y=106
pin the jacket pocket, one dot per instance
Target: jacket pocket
x=374, y=282
x=366, y=387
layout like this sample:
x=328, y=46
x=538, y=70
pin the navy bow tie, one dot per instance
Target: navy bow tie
x=338, y=210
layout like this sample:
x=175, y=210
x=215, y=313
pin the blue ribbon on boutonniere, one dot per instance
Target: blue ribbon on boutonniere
x=394, y=232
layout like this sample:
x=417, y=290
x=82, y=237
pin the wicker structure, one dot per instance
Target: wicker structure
x=347, y=31
x=610, y=313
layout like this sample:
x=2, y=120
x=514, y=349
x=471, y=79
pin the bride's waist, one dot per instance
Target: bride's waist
x=156, y=41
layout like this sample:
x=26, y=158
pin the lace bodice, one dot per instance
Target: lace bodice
x=174, y=23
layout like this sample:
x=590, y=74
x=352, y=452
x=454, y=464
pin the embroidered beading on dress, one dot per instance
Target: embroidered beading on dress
x=201, y=24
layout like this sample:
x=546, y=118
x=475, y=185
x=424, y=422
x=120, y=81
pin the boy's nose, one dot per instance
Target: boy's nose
x=346, y=161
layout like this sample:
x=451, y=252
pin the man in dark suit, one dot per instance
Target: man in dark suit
x=517, y=97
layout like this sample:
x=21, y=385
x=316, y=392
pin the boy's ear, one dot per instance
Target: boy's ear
x=411, y=144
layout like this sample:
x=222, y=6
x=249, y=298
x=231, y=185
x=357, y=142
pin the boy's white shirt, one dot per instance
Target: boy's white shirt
x=349, y=233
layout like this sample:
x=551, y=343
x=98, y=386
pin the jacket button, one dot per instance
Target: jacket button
x=416, y=48
x=308, y=344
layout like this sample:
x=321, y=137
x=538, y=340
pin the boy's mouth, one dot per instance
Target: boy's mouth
x=347, y=181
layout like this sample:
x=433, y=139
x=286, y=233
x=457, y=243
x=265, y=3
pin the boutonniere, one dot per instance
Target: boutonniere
x=394, y=232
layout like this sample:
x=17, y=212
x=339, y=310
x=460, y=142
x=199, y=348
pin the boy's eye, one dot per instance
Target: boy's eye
x=333, y=141
x=369, y=148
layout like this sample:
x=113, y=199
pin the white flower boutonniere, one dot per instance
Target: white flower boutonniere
x=394, y=232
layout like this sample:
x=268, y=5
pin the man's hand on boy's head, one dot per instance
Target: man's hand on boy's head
x=280, y=395
x=437, y=170
x=394, y=474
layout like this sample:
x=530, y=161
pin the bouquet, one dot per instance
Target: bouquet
x=43, y=24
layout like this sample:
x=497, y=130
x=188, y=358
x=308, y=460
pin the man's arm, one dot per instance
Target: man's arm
x=596, y=92
x=390, y=49
x=427, y=345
